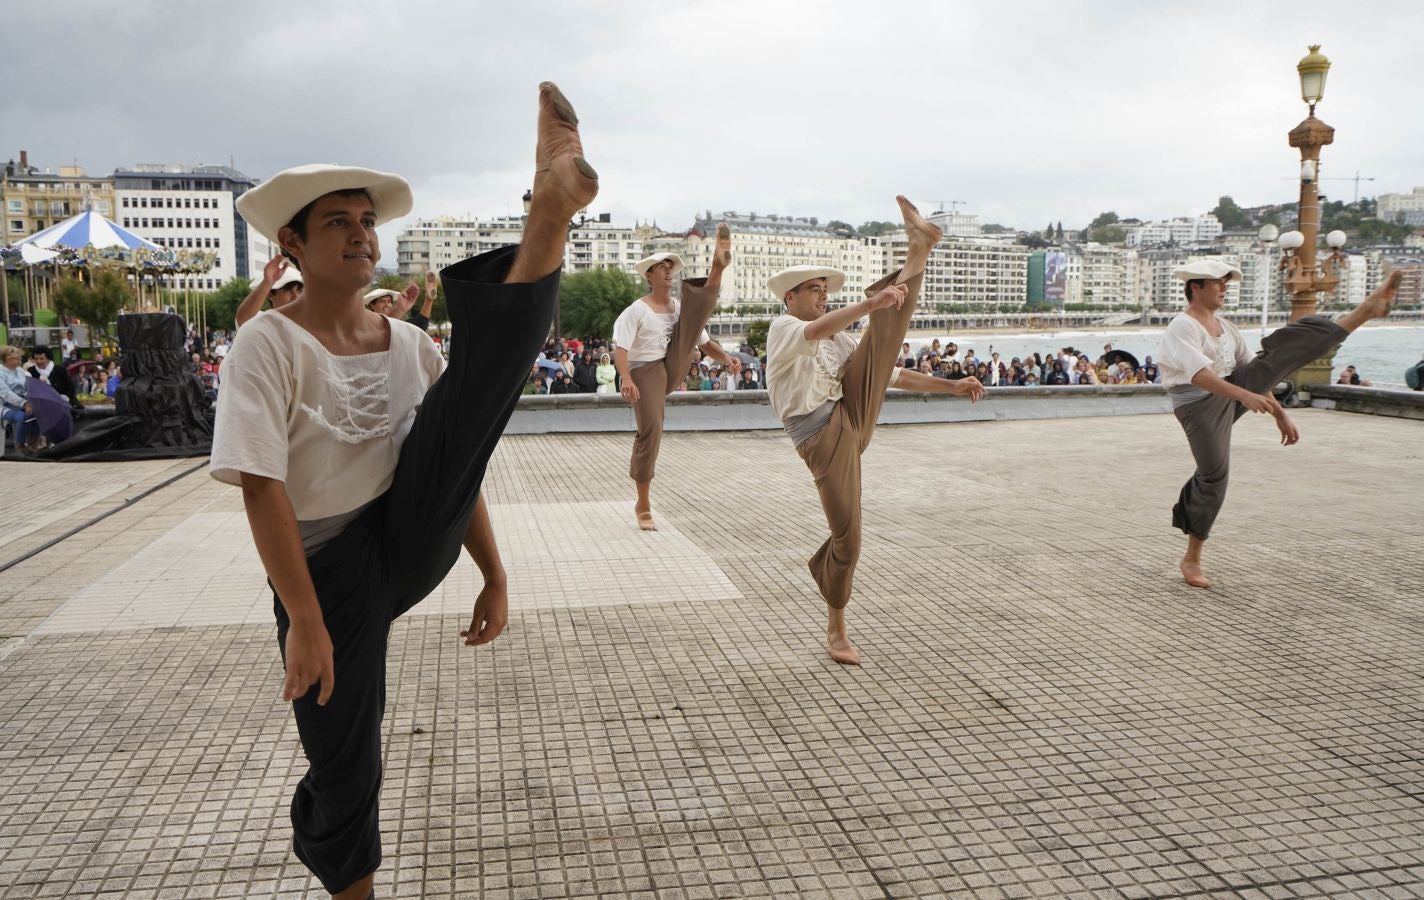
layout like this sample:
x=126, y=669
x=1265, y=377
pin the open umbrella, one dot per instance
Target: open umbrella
x=1113, y=357
x=51, y=409
x=551, y=364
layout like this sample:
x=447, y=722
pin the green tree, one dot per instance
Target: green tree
x=222, y=304
x=96, y=303
x=1048, y=232
x=1059, y=232
x=756, y=333
x=993, y=228
x=1230, y=215
x=875, y=229
x=1108, y=234
x=1104, y=218
x=591, y=301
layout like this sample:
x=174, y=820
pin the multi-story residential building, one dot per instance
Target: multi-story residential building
x=764, y=245
x=978, y=271
x=957, y=224
x=1102, y=275
x=1182, y=231
x=432, y=244
x=35, y=199
x=599, y=244
x=1401, y=209
x=1162, y=290
x=185, y=207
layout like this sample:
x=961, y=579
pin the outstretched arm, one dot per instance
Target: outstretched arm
x=432, y=284
x=1208, y=380
x=714, y=350
x=492, y=605
x=838, y=320
x=308, y=652
x=252, y=303
x=918, y=381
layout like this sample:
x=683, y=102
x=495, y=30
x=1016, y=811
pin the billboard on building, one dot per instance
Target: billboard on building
x=1055, y=277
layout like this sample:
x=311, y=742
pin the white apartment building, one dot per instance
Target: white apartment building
x=192, y=208
x=763, y=246
x=1390, y=207
x=957, y=224
x=979, y=271
x=1162, y=290
x=432, y=244
x=599, y=244
x=1180, y=231
x=1102, y=275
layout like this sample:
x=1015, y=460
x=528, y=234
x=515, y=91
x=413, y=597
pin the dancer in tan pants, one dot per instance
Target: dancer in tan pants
x=653, y=342
x=828, y=392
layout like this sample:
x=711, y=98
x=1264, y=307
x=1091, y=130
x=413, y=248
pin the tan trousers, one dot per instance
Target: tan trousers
x=655, y=380
x=833, y=455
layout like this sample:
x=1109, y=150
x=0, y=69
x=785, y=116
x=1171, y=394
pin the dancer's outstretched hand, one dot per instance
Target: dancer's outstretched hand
x=309, y=662
x=1289, y=434
x=969, y=387
x=723, y=255
x=406, y=300
x=491, y=615
x=894, y=295
x=629, y=391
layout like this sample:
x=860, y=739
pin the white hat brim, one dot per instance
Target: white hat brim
x=291, y=276
x=1208, y=269
x=378, y=293
x=272, y=204
x=788, y=279
x=643, y=265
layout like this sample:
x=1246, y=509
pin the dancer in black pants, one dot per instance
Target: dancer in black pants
x=360, y=462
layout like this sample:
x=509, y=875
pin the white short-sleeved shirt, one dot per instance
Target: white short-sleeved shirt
x=644, y=334
x=803, y=375
x=1187, y=348
x=329, y=427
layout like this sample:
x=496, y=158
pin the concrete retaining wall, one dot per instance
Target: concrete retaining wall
x=748, y=410
x=1403, y=404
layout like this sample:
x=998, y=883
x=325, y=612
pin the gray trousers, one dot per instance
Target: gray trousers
x=1208, y=421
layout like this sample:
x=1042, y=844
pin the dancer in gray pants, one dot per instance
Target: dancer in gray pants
x=1213, y=379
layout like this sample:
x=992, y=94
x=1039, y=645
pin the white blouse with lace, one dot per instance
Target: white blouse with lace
x=330, y=427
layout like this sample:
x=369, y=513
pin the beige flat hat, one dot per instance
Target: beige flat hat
x=272, y=204
x=787, y=279
x=647, y=262
x=291, y=276
x=1209, y=269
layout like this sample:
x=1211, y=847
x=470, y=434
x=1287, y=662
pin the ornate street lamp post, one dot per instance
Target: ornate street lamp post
x=1303, y=279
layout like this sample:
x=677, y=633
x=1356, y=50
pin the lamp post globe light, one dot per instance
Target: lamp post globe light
x=1268, y=235
x=1304, y=279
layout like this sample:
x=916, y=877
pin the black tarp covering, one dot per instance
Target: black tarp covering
x=161, y=409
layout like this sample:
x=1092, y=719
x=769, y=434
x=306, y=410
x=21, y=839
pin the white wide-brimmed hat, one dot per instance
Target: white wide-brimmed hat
x=647, y=262
x=1208, y=269
x=787, y=279
x=272, y=204
x=372, y=296
x=291, y=276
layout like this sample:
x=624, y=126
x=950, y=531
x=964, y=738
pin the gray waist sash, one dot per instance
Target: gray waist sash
x=1182, y=394
x=804, y=427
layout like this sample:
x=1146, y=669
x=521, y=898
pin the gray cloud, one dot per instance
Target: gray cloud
x=1026, y=112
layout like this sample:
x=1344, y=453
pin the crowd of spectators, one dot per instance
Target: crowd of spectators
x=571, y=366
x=1066, y=366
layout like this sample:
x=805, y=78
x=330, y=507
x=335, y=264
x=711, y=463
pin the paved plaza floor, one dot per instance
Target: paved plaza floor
x=1045, y=709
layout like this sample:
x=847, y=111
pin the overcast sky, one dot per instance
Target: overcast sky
x=1026, y=112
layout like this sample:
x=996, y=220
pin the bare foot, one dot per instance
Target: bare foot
x=842, y=650
x=1192, y=572
x=645, y=519
x=561, y=174
x=722, y=256
x=920, y=232
x=1376, y=305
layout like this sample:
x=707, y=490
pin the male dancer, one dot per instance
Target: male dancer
x=653, y=340
x=358, y=502
x=1213, y=380
x=828, y=392
x=281, y=283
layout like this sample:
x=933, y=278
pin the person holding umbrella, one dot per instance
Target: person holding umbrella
x=653, y=340
x=14, y=396
x=827, y=390
x=1213, y=380
x=56, y=376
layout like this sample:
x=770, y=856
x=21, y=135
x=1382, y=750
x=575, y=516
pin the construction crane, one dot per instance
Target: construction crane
x=1357, y=179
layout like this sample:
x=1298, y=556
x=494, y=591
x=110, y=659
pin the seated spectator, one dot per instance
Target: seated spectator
x=956, y=371
x=1056, y=375
x=1350, y=376
x=563, y=384
x=693, y=380
x=116, y=376
x=1083, y=372
x=1150, y=372
x=748, y=382
x=1030, y=380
